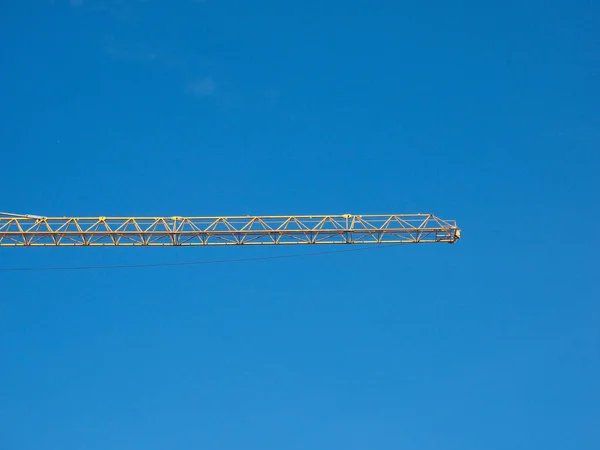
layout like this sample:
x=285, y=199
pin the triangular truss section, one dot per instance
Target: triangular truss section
x=236, y=230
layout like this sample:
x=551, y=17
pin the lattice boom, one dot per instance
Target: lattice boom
x=238, y=230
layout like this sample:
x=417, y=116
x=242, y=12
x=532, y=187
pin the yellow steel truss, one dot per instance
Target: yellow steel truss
x=31, y=231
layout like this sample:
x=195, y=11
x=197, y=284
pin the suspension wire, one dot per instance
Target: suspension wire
x=194, y=263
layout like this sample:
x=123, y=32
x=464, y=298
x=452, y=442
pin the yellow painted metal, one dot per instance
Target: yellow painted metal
x=35, y=231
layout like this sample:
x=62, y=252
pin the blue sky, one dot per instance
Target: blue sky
x=486, y=114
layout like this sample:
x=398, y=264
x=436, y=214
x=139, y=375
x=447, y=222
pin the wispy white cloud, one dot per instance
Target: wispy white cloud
x=184, y=65
x=181, y=65
x=203, y=87
x=144, y=53
x=132, y=53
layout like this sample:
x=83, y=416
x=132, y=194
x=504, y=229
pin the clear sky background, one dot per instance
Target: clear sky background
x=486, y=113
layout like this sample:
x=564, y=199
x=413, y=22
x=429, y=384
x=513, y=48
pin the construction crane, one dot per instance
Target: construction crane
x=36, y=231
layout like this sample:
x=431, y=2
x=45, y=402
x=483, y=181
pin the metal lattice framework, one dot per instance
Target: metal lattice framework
x=237, y=230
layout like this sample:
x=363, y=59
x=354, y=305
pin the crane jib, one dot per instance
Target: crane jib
x=29, y=230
